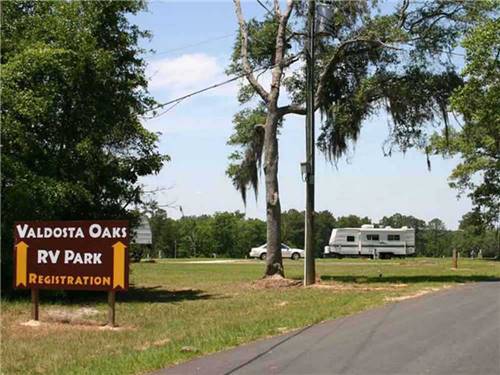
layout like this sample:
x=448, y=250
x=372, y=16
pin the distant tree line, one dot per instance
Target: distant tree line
x=231, y=234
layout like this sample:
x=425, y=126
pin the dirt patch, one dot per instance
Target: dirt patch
x=78, y=316
x=154, y=344
x=275, y=282
x=105, y=327
x=44, y=328
x=358, y=263
x=221, y=261
x=417, y=294
x=58, y=319
x=31, y=323
x=189, y=349
x=353, y=287
x=426, y=262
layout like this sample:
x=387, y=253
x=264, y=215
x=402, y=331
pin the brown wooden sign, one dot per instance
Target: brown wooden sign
x=78, y=255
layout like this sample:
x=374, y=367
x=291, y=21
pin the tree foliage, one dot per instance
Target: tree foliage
x=366, y=61
x=476, y=234
x=477, y=140
x=73, y=91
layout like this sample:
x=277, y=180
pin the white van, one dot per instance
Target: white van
x=372, y=242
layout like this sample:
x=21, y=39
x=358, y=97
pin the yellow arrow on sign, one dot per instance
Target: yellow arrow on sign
x=21, y=263
x=119, y=265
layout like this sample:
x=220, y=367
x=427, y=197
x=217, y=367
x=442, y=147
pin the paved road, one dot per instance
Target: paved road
x=455, y=331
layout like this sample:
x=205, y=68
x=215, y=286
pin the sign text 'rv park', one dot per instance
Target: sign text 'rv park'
x=77, y=255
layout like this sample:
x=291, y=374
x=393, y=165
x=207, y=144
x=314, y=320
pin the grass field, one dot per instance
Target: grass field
x=177, y=310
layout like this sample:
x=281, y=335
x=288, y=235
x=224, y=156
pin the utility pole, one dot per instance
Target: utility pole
x=309, y=266
x=498, y=240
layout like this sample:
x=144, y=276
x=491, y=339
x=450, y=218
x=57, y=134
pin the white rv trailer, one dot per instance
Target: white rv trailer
x=369, y=241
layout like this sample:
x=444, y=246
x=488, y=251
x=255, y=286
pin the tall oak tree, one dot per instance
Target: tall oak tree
x=371, y=56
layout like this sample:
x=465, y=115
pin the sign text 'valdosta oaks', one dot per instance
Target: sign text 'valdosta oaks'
x=95, y=230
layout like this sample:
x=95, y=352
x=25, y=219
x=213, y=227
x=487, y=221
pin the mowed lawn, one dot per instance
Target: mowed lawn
x=176, y=310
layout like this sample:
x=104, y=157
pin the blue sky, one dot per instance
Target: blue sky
x=194, y=134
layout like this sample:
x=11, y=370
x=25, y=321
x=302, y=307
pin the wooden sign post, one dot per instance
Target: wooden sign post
x=71, y=255
x=111, y=308
x=455, y=259
x=35, y=295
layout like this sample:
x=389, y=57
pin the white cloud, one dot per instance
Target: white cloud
x=177, y=76
x=187, y=73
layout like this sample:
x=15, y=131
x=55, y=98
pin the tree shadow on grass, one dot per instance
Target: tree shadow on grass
x=410, y=279
x=150, y=294
x=158, y=294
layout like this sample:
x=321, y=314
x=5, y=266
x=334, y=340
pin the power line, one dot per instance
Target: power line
x=265, y=7
x=165, y=111
x=225, y=36
x=176, y=101
x=180, y=99
x=272, y=14
x=173, y=103
x=206, y=41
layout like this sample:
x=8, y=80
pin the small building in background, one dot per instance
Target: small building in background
x=142, y=240
x=143, y=235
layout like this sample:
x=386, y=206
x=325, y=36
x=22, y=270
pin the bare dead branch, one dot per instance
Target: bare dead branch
x=297, y=109
x=279, y=59
x=402, y=13
x=277, y=10
x=439, y=13
x=244, y=55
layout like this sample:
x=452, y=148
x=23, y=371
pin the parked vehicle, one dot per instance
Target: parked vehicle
x=372, y=242
x=286, y=252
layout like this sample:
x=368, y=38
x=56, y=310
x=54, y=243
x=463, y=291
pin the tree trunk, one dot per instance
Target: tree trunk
x=274, y=262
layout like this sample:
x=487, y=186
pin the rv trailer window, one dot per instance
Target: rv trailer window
x=350, y=238
x=393, y=237
x=372, y=237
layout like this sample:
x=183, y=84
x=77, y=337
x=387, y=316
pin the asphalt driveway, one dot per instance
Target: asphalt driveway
x=454, y=331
